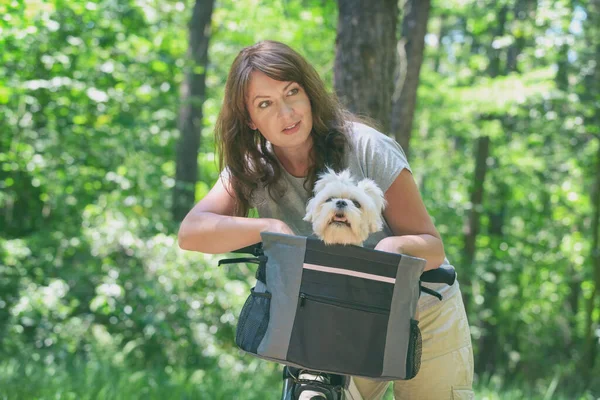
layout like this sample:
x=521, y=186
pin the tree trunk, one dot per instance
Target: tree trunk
x=490, y=353
x=593, y=88
x=476, y=45
x=190, y=115
x=494, y=65
x=471, y=228
x=411, y=46
x=441, y=35
x=591, y=347
x=563, y=64
x=365, y=57
x=523, y=12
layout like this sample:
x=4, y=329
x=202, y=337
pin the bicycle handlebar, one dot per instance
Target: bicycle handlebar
x=438, y=275
x=254, y=249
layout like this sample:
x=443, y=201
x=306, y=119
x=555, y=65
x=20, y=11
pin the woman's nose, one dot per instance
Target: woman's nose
x=285, y=109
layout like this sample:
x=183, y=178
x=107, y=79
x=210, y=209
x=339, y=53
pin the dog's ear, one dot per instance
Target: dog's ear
x=320, y=184
x=310, y=206
x=325, y=178
x=345, y=175
x=374, y=192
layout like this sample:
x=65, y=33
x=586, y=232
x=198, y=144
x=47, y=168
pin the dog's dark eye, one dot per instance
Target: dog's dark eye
x=356, y=203
x=328, y=200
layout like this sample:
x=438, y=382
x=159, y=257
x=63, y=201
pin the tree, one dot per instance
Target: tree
x=193, y=92
x=365, y=57
x=412, y=45
x=472, y=223
x=591, y=345
x=523, y=10
x=590, y=95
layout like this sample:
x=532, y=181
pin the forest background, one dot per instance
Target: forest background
x=107, y=111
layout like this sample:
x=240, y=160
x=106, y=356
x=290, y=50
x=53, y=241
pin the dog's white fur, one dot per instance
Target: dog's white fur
x=343, y=211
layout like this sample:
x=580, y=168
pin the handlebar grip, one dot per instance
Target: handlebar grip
x=252, y=249
x=439, y=275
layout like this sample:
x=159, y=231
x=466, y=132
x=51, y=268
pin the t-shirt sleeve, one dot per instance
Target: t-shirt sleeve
x=381, y=157
x=257, y=195
x=224, y=174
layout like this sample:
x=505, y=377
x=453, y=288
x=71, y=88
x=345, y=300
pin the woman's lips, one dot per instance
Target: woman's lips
x=295, y=128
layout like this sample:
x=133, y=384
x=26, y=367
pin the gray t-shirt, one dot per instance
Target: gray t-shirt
x=371, y=155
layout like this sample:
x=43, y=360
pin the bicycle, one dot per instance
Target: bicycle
x=301, y=384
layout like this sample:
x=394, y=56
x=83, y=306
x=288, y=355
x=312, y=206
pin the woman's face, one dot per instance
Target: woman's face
x=281, y=111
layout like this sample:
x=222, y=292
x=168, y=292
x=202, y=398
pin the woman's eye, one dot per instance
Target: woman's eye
x=263, y=104
x=293, y=91
x=356, y=203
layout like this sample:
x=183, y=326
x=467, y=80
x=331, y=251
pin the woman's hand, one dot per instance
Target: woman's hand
x=390, y=245
x=276, y=226
x=424, y=246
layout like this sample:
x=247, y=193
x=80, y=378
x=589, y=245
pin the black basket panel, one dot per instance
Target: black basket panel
x=324, y=337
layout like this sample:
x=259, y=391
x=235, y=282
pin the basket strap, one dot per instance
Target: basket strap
x=430, y=291
x=261, y=272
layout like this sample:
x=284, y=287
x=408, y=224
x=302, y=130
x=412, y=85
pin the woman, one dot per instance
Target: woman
x=278, y=128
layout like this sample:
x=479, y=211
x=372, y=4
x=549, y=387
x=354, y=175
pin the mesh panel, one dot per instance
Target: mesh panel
x=418, y=350
x=415, y=348
x=253, y=321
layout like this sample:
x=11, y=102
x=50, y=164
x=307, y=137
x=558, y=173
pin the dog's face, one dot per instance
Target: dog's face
x=343, y=211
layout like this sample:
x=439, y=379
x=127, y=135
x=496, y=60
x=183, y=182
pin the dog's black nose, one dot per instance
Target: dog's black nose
x=341, y=203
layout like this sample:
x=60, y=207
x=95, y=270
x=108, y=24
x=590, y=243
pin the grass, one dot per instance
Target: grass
x=254, y=380
x=26, y=380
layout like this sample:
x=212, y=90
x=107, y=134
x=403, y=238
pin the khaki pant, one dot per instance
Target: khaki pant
x=446, y=364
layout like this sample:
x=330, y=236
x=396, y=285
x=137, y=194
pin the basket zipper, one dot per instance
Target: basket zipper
x=339, y=303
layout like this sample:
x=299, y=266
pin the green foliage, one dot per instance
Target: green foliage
x=101, y=377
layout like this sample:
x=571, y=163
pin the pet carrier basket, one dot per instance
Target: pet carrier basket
x=338, y=309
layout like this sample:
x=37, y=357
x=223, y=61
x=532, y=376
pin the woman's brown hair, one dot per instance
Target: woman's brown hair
x=245, y=152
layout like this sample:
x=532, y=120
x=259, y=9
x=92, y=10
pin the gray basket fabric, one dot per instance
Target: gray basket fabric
x=284, y=270
x=284, y=274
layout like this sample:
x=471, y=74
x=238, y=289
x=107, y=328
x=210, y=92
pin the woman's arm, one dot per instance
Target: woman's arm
x=415, y=233
x=210, y=226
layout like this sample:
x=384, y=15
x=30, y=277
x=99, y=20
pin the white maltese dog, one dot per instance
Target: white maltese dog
x=343, y=211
